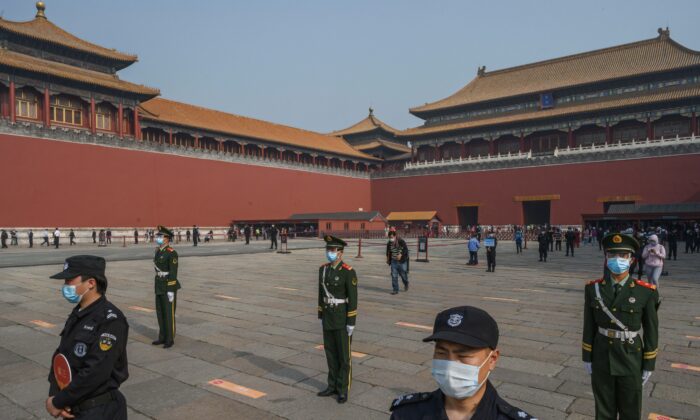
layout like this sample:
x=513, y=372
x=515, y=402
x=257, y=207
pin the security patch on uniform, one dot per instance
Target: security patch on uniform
x=107, y=341
x=174, y=260
x=455, y=320
x=80, y=349
x=354, y=281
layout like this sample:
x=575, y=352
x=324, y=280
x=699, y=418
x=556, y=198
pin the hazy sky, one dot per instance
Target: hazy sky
x=319, y=64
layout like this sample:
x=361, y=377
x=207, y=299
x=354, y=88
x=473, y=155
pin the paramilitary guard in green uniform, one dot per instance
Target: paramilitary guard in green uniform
x=616, y=353
x=337, y=310
x=166, y=285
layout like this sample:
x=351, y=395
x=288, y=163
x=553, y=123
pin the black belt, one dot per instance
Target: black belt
x=97, y=401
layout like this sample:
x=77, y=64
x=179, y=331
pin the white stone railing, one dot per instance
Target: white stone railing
x=520, y=156
x=467, y=160
x=634, y=144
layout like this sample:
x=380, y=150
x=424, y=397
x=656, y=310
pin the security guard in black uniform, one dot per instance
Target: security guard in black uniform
x=166, y=286
x=94, y=343
x=337, y=310
x=616, y=310
x=466, y=351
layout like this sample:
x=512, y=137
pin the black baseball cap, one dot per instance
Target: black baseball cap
x=466, y=325
x=87, y=265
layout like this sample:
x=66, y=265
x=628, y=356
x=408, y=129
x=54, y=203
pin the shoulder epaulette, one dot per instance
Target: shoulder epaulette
x=594, y=282
x=410, y=399
x=645, y=284
x=347, y=267
x=512, y=412
x=169, y=249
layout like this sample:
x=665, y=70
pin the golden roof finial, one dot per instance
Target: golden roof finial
x=40, y=7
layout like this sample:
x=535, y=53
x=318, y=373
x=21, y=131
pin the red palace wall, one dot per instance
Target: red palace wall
x=673, y=179
x=54, y=183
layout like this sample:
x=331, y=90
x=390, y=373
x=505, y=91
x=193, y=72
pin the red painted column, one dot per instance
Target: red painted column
x=137, y=125
x=13, y=105
x=221, y=145
x=47, y=108
x=170, y=137
x=196, y=142
x=93, y=117
x=570, y=139
x=437, y=153
x=650, y=129
x=492, y=147
x=262, y=148
x=313, y=159
x=463, y=151
x=608, y=133
x=298, y=157
x=522, y=142
x=413, y=153
x=120, y=120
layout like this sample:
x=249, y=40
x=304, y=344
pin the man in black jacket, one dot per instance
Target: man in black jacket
x=544, y=244
x=397, y=258
x=570, y=238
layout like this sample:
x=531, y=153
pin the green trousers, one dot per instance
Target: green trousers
x=337, y=344
x=617, y=395
x=166, y=317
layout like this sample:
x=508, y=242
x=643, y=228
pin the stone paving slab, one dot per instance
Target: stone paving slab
x=263, y=333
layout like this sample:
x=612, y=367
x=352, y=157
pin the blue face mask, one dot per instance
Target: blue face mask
x=618, y=265
x=70, y=293
x=159, y=240
x=331, y=256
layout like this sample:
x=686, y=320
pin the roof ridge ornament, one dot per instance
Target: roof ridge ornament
x=371, y=111
x=481, y=71
x=664, y=33
x=40, y=8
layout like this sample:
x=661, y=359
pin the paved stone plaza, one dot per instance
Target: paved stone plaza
x=248, y=319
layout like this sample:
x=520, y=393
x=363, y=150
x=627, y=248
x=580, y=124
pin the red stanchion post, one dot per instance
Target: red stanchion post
x=124, y=244
x=359, y=248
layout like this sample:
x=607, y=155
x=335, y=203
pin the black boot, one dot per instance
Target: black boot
x=342, y=398
x=158, y=342
x=326, y=392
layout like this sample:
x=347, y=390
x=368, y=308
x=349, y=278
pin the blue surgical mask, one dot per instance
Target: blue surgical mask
x=159, y=240
x=331, y=256
x=456, y=379
x=69, y=292
x=618, y=265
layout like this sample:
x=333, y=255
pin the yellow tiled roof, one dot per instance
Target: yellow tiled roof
x=42, y=29
x=366, y=125
x=399, y=216
x=634, y=59
x=179, y=113
x=65, y=71
x=612, y=103
x=383, y=143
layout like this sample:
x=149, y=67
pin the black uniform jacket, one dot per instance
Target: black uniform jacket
x=94, y=342
x=431, y=406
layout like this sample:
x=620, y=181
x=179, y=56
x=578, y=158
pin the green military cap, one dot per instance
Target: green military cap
x=333, y=242
x=620, y=242
x=162, y=230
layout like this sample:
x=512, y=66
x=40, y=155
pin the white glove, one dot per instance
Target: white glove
x=350, y=328
x=321, y=321
x=588, y=367
x=171, y=297
x=646, y=374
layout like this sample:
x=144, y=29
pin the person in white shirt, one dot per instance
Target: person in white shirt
x=56, y=237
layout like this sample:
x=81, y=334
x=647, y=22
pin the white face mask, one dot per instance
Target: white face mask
x=456, y=379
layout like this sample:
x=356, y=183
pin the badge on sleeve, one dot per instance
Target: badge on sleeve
x=80, y=349
x=107, y=341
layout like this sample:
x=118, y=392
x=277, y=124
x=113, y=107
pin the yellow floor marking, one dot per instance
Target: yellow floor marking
x=409, y=325
x=685, y=366
x=42, y=324
x=530, y=290
x=141, y=309
x=500, y=299
x=654, y=416
x=238, y=389
x=354, y=353
x=227, y=297
x=692, y=337
x=285, y=288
